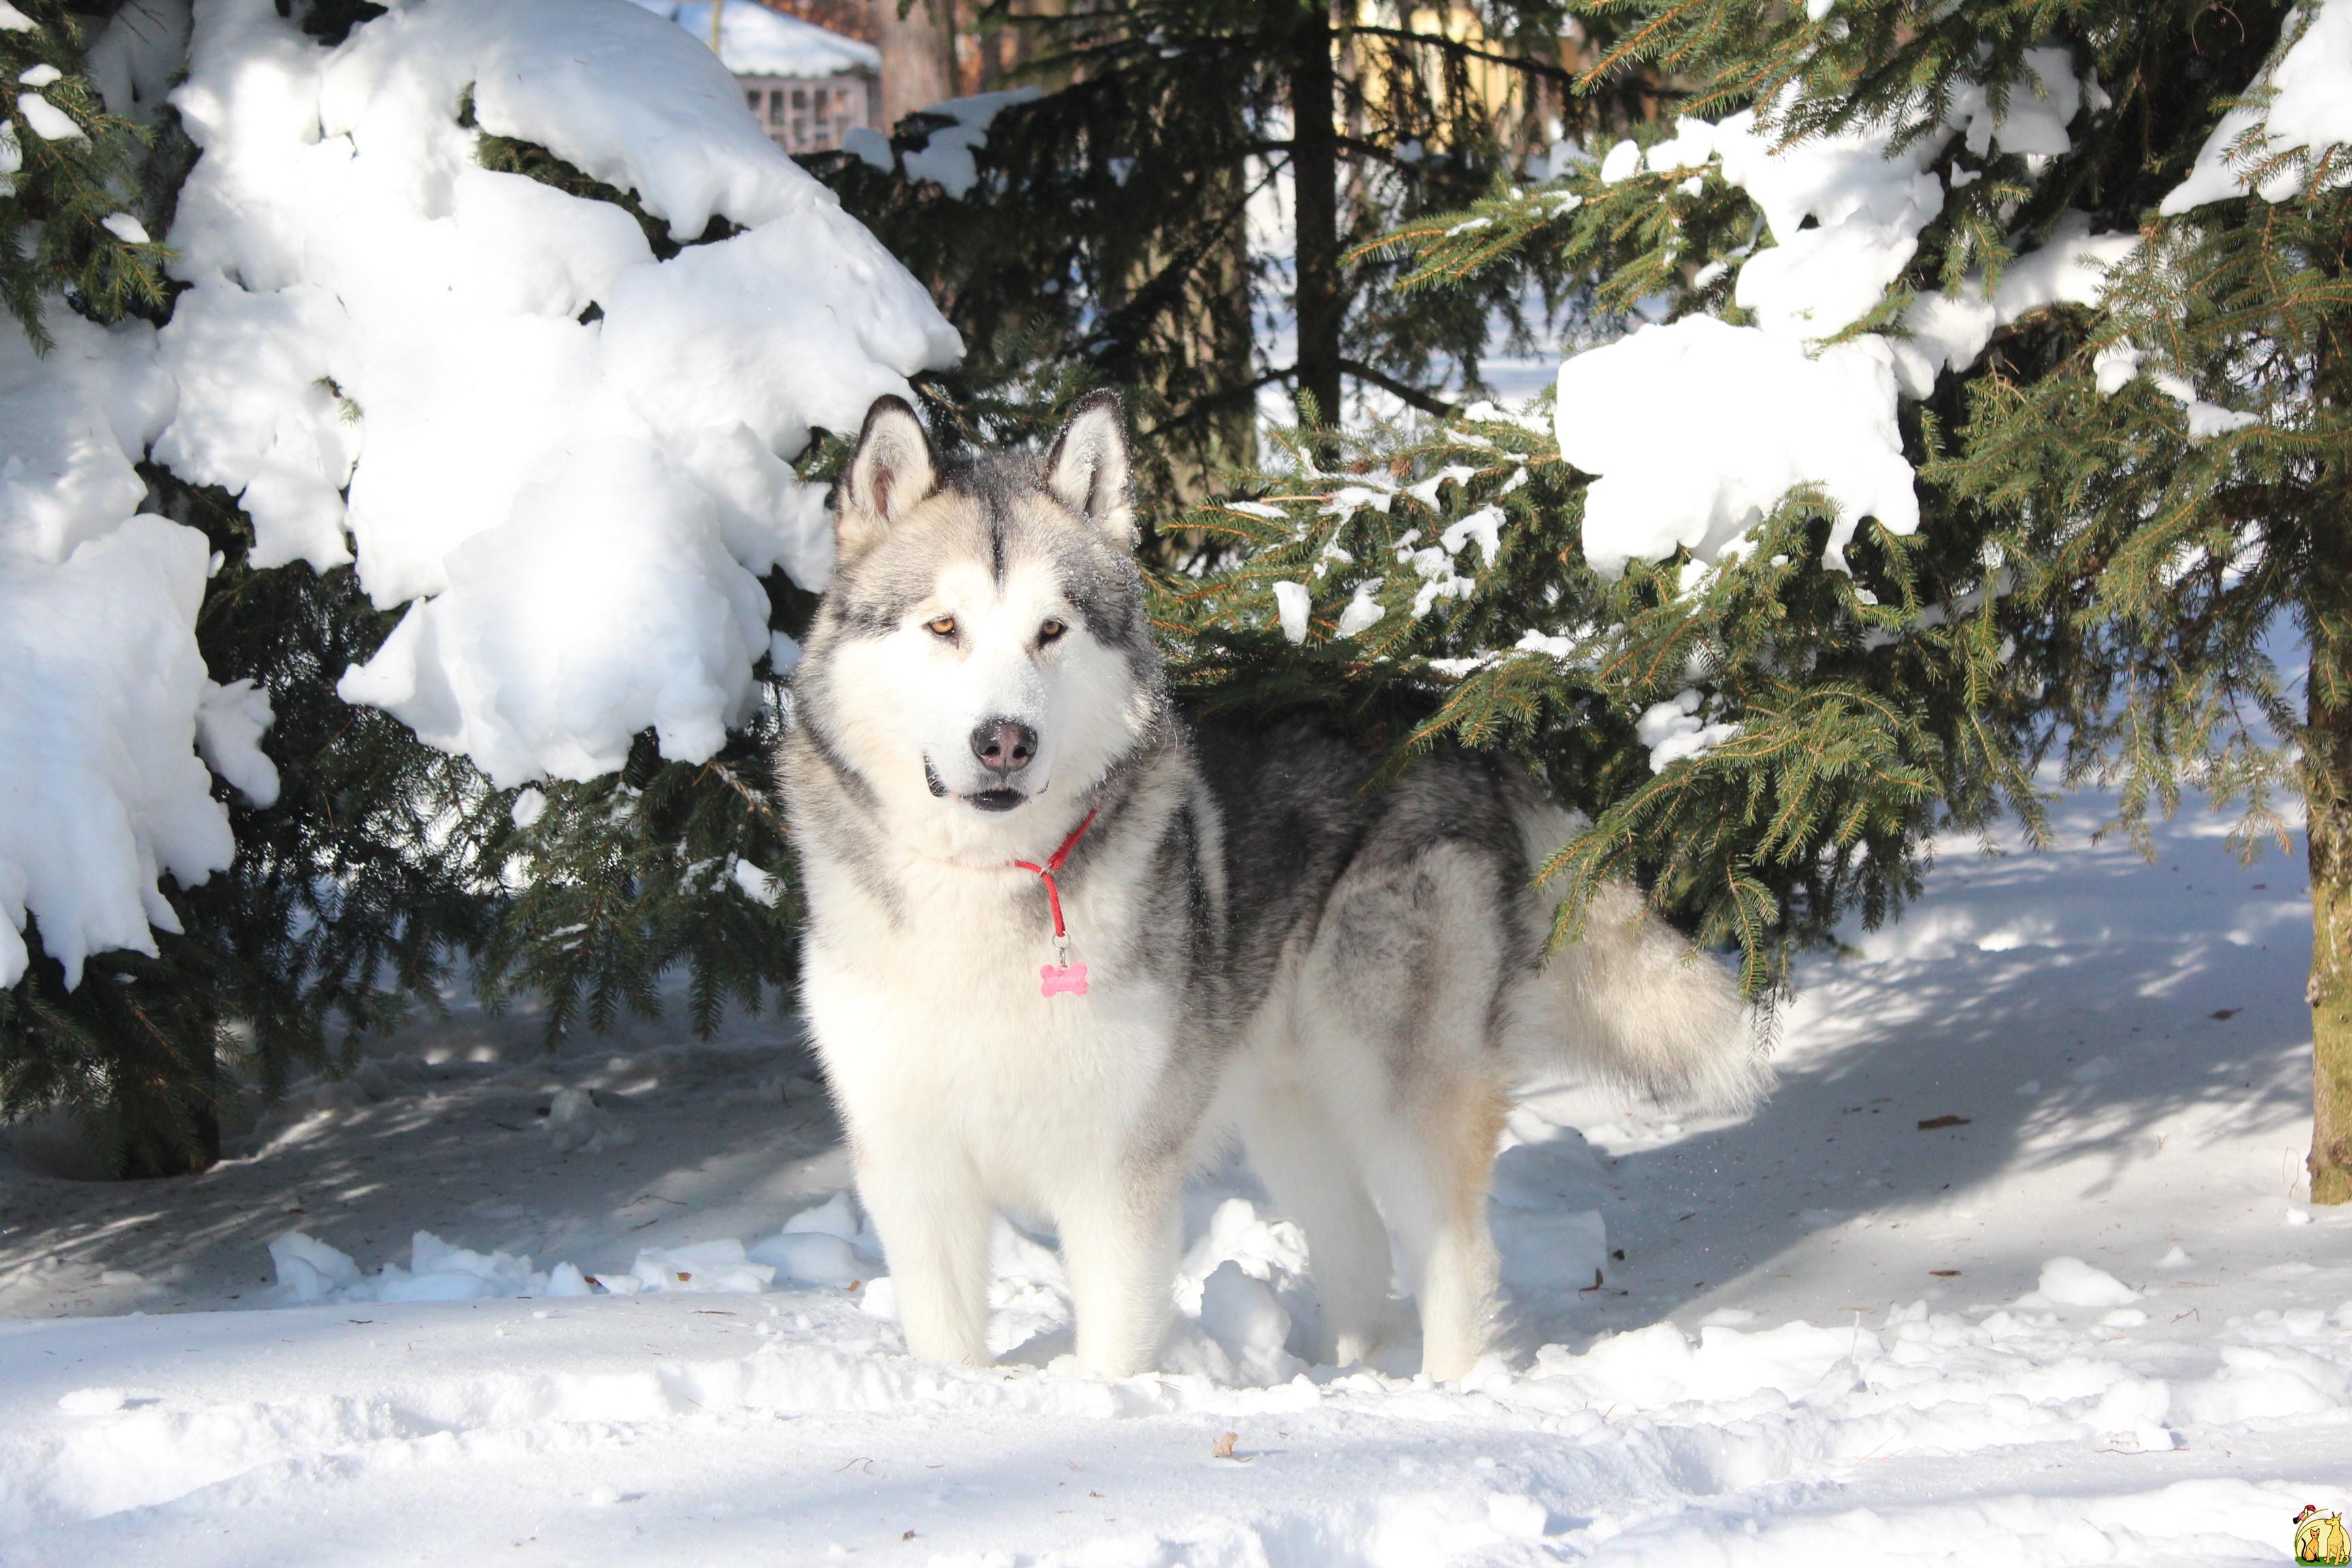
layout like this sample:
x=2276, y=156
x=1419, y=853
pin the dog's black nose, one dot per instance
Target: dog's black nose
x=1003, y=746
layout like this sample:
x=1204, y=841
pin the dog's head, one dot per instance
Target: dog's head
x=983, y=660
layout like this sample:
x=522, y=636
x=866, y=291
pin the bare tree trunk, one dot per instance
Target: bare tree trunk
x=1314, y=185
x=2327, y=767
x=918, y=55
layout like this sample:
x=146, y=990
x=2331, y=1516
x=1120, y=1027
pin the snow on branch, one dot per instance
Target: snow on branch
x=569, y=457
x=583, y=505
x=1697, y=430
x=2271, y=144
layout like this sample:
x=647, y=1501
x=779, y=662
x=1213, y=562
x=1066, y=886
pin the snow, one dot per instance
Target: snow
x=100, y=684
x=2071, y=1282
x=756, y=41
x=1844, y=213
x=103, y=697
x=2035, y=118
x=45, y=120
x=1291, y=603
x=230, y=723
x=1485, y=525
x=380, y=353
x=484, y=430
x=311, y=1271
x=2303, y=102
x=2117, y=365
x=1673, y=730
x=1843, y=210
x=605, y=603
x=135, y=60
x=1950, y=330
x=13, y=20
x=1696, y=429
x=869, y=147
x=2072, y=1326
x=1363, y=612
x=946, y=158
x=1867, y=209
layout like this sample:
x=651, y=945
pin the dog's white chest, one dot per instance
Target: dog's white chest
x=936, y=1025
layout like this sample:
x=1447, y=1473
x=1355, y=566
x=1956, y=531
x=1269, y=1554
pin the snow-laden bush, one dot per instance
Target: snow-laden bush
x=553, y=418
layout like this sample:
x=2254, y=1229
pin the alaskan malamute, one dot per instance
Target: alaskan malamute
x=1061, y=942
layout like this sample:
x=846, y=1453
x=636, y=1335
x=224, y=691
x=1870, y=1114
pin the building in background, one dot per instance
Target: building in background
x=807, y=86
x=937, y=49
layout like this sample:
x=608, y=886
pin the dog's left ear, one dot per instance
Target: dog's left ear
x=890, y=474
x=1087, y=469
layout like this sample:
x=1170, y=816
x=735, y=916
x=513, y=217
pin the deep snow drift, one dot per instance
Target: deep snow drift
x=2082, y=1314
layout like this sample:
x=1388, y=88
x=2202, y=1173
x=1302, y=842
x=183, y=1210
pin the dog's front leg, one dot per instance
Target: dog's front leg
x=1119, y=1247
x=935, y=1218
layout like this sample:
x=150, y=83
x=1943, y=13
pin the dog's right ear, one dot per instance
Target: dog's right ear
x=890, y=474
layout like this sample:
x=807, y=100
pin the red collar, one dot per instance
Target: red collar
x=1055, y=863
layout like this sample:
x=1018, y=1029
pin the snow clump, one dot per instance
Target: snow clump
x=946, y=159
x=756, y=41
x=310, y=1271
x=2303, y=103
x=2071, y=1282
x=1757, y=411
x=1752, y=417
x=569, y=457
x=1674, y=730
x=823, y=1245
x=584, y=507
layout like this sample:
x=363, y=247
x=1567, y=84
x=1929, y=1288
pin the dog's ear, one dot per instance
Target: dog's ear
x=890, y=474
x=1087, y=469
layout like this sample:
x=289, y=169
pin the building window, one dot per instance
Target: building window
x=809, y=117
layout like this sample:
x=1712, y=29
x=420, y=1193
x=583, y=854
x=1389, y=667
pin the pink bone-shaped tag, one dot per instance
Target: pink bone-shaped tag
x=1056, y=978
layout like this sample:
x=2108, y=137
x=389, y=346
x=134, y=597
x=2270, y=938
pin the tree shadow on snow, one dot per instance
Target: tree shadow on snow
x=2093, y=1024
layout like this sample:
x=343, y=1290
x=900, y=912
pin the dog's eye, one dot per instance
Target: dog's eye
x=1050, y=630
x=940, y=626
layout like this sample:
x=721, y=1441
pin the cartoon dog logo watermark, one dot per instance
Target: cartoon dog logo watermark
x=2320, y=1539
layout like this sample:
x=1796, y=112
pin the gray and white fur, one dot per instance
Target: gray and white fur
x=1350, y=983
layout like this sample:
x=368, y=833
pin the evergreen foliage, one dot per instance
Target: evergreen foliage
x=387, y=873
x=66, y=167
x=1109, y=232
x=2095, y=577
x=2097, y=572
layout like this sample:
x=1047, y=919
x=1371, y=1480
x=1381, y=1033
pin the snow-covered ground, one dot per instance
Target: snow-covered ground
x=2091, y=1320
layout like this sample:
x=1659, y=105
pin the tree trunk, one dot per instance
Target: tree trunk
x=918, y=55
x=1314, y=185
x=151, y=1152
x=2327, y=795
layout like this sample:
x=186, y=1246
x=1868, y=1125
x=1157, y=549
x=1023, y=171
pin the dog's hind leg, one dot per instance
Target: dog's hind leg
x=1119, y=1245
x=1311, y=1173
x=1434, y=1191
x=1400, y=1013
x=935, y=1220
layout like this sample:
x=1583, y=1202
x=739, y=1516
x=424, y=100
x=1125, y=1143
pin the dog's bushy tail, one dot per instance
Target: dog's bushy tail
x=1631, y=1002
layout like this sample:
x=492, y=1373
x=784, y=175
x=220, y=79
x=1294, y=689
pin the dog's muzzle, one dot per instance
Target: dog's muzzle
x=1002, y=797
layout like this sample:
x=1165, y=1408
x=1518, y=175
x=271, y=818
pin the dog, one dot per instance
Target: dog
x=1063, y=946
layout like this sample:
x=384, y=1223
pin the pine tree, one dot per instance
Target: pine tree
x=385, y=871
x=2132, y=468
x=1105, y=237
x=79, y=200
x=70, y=183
